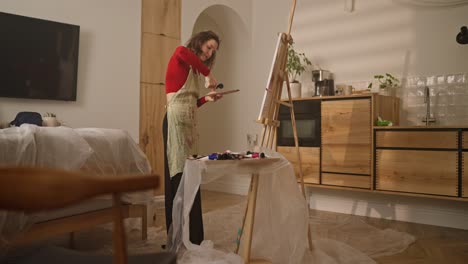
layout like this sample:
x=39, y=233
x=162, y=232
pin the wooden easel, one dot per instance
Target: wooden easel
x=269, y=119
x=272, y=99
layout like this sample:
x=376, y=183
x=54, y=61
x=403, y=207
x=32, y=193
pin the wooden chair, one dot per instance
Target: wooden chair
x=37, y=189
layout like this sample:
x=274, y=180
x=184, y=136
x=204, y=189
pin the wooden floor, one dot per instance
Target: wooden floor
x=433, y=244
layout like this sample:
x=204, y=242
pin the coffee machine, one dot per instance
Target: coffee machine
x=324, y=84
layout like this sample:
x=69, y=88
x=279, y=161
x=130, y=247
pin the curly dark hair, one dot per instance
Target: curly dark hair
x=195, y=43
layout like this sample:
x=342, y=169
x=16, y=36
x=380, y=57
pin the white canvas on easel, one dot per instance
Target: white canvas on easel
x=269, y=90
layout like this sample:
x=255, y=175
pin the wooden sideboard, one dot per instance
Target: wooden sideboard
x=417, y=161
x=356, y=155
x=310, y=162
x=346, y=142
x=344, y=157
x=464, y=164
x=421, y=161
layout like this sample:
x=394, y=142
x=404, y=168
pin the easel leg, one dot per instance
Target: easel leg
x=246, y=237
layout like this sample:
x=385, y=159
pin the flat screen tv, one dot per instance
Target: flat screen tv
x=38, y=58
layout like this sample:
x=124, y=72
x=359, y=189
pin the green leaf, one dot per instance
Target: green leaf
x=297, y=62
x=387, y=80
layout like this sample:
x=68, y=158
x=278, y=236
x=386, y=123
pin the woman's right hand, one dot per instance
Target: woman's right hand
x=210, y=82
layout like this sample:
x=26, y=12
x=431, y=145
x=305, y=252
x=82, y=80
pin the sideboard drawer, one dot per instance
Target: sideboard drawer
x=464, y=179
x=356, y=181
x=417, y=171
x=417, y=139
x=310, y=157
x=465, y=140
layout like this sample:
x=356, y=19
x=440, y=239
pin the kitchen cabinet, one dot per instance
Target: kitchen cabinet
x=344, y=157
x=355, y=155
x=465, y=140
x=310, y=157
x=160, y=35
x=464, y=176
x=419, y=161
x=411, y=139
x=416, y=171
x=346, y=180
x=346, y=142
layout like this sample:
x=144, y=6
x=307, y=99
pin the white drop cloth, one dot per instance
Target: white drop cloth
x=280, y=227
x=281, y=223
x=94, y=150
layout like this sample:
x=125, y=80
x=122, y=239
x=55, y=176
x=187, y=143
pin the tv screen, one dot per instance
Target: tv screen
x=38, y=58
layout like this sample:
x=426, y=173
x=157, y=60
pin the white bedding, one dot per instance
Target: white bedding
x=93, y=150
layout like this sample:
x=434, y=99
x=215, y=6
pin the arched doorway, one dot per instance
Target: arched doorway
x=224, y=124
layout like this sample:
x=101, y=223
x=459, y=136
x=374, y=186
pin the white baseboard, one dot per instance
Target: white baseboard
x=393, y=207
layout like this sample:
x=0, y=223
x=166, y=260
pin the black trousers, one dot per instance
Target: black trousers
x=170, y=189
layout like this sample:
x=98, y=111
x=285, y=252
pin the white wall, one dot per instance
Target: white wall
x=108, y=68
x=381, y=36
x=377, y=37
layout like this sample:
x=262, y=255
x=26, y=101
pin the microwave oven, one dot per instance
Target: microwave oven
x=307, y=116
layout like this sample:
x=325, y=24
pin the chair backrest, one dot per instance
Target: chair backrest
x=34, y=189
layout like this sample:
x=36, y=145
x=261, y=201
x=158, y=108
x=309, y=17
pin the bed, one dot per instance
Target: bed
x=92, y=150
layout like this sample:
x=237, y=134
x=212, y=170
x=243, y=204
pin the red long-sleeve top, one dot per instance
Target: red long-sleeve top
x=179, y=68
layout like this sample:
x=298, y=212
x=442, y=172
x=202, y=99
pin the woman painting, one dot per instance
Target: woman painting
x=188, y=70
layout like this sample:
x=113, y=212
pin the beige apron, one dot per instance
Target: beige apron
x=182, y=140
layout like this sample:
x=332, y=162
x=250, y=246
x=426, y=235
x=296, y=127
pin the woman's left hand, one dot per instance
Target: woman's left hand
x=210, y=82
x=213, y=96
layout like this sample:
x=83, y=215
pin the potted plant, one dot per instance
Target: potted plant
x=296, y=65
x=386, y=82
x=50, y=120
